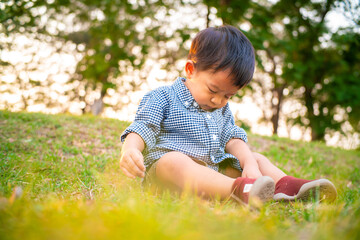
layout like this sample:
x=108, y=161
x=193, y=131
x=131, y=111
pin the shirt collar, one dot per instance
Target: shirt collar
x=184, y=94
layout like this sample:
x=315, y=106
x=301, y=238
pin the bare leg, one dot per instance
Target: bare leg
x=267, y=168
x=181, y=171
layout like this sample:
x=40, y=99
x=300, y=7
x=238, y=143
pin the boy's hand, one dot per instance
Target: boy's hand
x=132, y=163
x=251, y=171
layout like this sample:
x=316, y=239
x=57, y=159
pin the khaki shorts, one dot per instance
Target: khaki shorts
x=224, y=168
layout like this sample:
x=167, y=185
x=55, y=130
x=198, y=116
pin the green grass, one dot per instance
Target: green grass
x=73, y=188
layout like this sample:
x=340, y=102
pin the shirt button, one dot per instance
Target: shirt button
x=214, y=137
x=186, y=103
x=208, y=116
x=195, y=104
x=212, y=158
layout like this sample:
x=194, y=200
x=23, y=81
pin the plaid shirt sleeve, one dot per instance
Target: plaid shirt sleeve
x=231, y=130
x=149, y=116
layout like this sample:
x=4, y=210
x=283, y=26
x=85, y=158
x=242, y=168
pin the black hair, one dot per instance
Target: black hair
x=224, y=48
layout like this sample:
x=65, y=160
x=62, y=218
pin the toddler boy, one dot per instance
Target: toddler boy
x=184, y=135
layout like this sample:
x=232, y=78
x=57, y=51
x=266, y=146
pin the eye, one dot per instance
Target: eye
x=212, y=91
x=229, y=96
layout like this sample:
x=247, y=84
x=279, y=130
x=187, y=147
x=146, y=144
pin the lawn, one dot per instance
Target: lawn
x=72, y=188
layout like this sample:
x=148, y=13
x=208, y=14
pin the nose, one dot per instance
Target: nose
x=216, y=100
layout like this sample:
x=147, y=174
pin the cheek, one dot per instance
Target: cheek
x=203, y=98
x=224, y=102
x=202, y=95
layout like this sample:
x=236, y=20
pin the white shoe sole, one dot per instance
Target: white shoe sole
x=321, y=189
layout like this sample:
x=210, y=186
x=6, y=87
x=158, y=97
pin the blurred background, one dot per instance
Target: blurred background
x=100, y=56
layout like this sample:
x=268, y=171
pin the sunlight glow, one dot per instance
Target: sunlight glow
x=57, y=67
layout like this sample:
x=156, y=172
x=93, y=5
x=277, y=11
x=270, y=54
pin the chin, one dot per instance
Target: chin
x=207, y=108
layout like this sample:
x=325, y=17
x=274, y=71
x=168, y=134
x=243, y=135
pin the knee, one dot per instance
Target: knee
x=172, y=170
x=172, y=162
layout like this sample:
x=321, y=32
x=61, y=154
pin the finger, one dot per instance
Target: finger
x=127, y=173
x=128, y=162
x=123, y=159
x=122, y=162
x=139, y=161
x=134, y=169
x=126, y=167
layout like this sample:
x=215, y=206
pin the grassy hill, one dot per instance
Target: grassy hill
x=72, y=188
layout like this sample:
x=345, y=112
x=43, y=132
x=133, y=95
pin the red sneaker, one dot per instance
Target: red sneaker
x=251, y=191
x=290, y=188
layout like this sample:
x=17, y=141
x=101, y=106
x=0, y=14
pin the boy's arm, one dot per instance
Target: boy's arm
x=143, y=131
x=132, y=161
x=241, y=151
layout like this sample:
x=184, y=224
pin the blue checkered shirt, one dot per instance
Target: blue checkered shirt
x=169, y=119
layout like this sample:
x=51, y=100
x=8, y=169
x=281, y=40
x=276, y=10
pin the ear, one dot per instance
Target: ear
x=189, y=68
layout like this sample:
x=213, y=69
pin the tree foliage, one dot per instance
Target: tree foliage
x=304, y=59
x=113, y=38
x=299, y=59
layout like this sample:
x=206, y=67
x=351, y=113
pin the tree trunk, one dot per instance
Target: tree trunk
x=208, y=17
x=278, y=93
x=316, y=126
x=98, y=106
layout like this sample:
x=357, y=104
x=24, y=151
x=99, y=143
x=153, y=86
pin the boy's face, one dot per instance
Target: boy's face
x=210, y=90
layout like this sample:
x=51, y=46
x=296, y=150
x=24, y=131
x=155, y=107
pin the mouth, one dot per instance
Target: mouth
x=207, y=108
